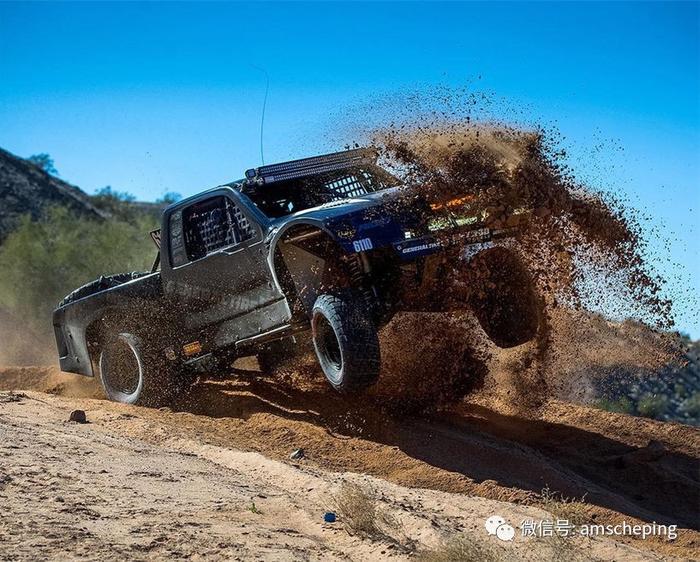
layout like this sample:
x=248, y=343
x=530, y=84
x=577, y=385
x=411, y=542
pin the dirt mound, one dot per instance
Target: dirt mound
x=146, y=491
x=624, y=468
x=50, y=380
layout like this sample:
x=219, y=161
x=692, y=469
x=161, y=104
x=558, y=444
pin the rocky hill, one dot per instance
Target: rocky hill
x=27, y=189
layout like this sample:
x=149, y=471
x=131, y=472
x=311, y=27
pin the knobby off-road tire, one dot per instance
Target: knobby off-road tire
x=132, y=373
x=504, y=299
x=345, y=340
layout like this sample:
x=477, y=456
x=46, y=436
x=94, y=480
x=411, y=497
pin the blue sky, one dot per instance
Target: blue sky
x=162, y=97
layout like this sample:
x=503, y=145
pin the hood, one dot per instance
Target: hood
x=383, y=218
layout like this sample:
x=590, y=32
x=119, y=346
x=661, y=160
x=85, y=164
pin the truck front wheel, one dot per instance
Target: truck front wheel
x=132, y=374
x=346, y=341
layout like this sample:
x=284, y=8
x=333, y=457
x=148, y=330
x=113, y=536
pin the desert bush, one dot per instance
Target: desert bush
x=463, y=548
x=652, y=406
x=359, y=512
x=691, y=406
x=621, y=406
x=571, y=509
x=45, y=162
x=557, y=548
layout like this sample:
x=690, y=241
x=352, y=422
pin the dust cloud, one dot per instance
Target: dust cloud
x=602, y=304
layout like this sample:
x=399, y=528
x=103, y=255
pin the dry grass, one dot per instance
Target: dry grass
x=467, y=548
x=572, y=509
x=557, y=548
x=462, y=549
x=359, y=512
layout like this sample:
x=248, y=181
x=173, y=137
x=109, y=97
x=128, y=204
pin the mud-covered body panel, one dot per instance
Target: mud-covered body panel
x=141, y=298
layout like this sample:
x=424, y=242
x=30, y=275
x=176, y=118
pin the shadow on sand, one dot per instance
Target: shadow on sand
x=649, y=483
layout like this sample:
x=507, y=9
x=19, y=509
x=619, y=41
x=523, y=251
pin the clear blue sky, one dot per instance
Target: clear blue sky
x=161, y=97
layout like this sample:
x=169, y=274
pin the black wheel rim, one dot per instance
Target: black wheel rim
x=328, y=344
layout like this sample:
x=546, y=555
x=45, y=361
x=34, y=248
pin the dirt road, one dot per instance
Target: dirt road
x=213, y=479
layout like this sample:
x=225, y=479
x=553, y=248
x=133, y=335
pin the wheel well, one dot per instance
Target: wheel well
x=95, y=335
x=100, y=329
x=308, y=261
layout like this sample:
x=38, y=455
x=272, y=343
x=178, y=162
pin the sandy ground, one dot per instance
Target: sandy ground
x=212, y=478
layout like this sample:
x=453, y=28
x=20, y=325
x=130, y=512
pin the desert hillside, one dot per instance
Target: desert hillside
x=26, y=189
x=55, y=237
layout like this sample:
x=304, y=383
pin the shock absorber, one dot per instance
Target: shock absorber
x=358, y=266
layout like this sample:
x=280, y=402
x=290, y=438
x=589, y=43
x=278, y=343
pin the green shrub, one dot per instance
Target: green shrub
x=622, y=406
x=691, y=406
x=42, y=261
x=652, y=406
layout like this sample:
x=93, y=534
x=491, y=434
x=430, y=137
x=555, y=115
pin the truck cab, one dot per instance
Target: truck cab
x=215, y=266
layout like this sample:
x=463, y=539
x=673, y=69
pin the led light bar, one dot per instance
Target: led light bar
x=310, y=166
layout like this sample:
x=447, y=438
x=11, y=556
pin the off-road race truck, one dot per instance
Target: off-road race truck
x=333, y=244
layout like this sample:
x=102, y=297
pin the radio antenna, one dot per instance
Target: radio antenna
x=264, y=106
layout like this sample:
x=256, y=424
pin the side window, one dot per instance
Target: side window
x=205, y=227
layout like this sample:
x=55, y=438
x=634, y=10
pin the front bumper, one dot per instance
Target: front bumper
x=414, y=248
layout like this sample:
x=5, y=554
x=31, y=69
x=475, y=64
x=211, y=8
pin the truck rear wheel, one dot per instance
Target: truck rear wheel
x=346, y=341
x=132, y=374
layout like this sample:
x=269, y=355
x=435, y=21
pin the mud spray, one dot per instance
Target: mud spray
x=585, y=253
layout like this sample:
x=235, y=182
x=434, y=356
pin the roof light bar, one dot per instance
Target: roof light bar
x=310, y=166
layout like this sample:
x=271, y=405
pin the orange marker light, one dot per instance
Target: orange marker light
x=192, y=348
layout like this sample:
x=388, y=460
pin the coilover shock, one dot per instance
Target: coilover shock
x=358, y=267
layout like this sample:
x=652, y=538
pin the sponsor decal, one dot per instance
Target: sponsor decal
x=421, y=247
x=480, y=234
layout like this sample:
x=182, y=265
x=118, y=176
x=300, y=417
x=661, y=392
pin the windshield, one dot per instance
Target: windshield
x=287, y=197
